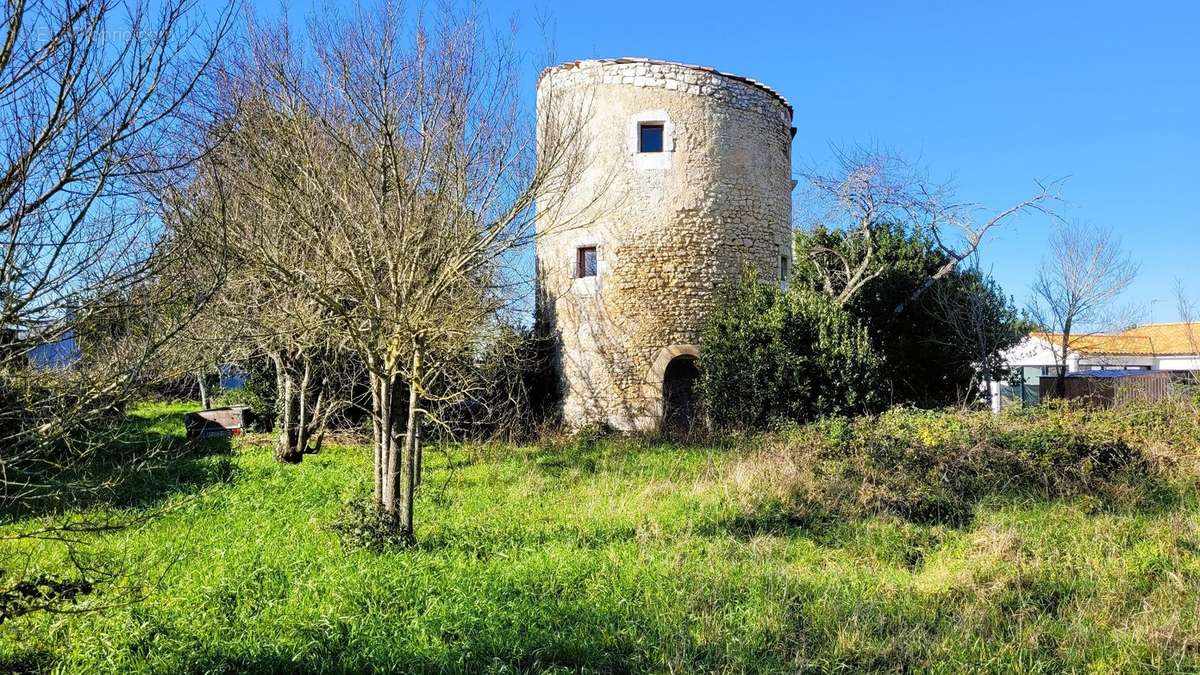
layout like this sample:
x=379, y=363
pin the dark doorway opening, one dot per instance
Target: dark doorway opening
x=679, y=394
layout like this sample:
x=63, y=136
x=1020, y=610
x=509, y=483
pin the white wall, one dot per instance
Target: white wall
x=1032, y=351
x=1178, y=363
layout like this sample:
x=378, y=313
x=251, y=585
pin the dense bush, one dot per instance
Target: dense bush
x=359, y=524
x=771, y=355
x=930, y=351
x=934, y=466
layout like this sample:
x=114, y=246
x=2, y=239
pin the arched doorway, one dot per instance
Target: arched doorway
x=679, y=394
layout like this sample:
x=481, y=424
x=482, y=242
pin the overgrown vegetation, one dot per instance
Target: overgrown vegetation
x=934, y=467
x=617, y=555
x=100, y=99
x=117, y=478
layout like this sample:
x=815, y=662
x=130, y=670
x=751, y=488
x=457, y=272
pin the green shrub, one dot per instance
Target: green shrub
x=769, y=355
x=361, y=525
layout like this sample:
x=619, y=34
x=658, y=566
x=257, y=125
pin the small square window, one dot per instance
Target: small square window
x=585, y=261
x=650, y=137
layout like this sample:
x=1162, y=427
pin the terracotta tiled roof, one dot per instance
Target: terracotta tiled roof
x=1156, y=339
x=1170, y=338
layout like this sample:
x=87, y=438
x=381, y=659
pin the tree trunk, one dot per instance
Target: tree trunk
x=302, y=413
x=1060, y=379
x=420, y=456
x=205, y=401
x=376, y=427
x=316, y=430
x=390, y=455
x=394, y=462
x=408, y=487
x=289, y=445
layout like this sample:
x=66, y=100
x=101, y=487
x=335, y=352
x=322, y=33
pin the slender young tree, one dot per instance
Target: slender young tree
x=978, y=322
x=1077, y=287
x=395, y=169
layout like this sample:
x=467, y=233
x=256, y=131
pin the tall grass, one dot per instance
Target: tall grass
x=626, y=555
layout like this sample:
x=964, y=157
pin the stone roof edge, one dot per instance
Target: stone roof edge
x=659, y=62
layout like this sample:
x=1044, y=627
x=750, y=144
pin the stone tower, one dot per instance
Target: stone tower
x=687, y=179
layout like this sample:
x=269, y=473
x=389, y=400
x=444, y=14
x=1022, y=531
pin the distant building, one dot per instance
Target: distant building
x=232, y=376
x=59, y=353
x=1171, y=347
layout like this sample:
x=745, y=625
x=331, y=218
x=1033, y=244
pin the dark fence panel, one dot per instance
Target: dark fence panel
x=1107, y=392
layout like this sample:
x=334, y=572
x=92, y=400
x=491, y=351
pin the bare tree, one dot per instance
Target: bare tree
x=1077, y=287
x=1189, y=314
x=94, y=95
x=397, y=170
x=99, y=100
x=870, y=189
x=249, y=317
x=255, y=315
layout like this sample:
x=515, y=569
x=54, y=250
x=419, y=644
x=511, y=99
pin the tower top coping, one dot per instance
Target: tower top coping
x=569, y=65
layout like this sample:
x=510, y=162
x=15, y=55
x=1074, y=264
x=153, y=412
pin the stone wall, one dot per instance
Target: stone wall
x=670, y=228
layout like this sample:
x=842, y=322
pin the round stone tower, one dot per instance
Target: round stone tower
x=685, y=179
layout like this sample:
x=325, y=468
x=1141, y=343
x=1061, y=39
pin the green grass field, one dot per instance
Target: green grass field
x=612, y=556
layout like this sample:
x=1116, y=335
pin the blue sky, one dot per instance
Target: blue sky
x=990, y=95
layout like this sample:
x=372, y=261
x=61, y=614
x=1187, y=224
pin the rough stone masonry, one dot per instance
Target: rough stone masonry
x=665, y=229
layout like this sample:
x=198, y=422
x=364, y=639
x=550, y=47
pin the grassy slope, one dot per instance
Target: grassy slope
x=618, y=557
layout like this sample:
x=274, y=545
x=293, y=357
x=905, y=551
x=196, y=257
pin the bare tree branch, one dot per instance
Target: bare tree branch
x=869, y=189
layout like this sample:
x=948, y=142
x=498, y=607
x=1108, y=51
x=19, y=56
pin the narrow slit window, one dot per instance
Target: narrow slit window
x=585, y=262
x=783, y=268
x=650, y=137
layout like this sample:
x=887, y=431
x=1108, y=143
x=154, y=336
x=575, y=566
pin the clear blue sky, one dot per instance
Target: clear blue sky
x=990, y=95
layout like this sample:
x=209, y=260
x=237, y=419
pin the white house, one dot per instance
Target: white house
x=1173, y=347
